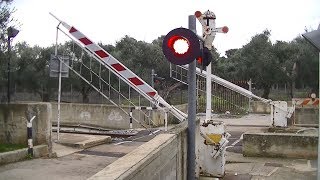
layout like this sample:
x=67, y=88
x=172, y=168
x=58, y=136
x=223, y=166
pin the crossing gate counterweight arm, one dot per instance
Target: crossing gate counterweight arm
x=121, y=71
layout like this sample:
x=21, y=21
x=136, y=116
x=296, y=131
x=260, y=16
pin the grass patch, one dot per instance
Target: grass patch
x=29, y=156
x=10, y=147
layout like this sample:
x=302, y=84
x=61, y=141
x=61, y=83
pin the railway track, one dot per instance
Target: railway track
x=86, y=129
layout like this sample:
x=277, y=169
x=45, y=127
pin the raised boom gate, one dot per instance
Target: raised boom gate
x=107, y=61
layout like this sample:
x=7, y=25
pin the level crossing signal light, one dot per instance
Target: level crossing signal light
x=181, y=46
x=205, y=58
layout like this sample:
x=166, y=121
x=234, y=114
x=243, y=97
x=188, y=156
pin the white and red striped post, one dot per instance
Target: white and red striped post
x=29, y=135
x=138, y=108
x=130, y=114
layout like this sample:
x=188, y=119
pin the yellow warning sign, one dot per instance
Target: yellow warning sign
x=215, y=137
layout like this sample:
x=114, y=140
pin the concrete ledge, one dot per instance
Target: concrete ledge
x=21, y=154
x=86, y=141
x=285, y=145
x=306, y=116
x=93, y=142
x=13, y=123
x=260, y=107
x=137, y=164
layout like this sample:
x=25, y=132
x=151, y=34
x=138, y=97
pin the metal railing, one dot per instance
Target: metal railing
x=223, y=98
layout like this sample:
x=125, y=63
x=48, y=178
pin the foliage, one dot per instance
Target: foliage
x=5, y=20
x=307, y=64
x=33, y=70
x=29, y=157
x=294, y=63
x=10, y=147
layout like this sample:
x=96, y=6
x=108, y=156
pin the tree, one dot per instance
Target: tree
x=5, y=20
x=81, y=62
x=307, y=64
x=288, y=58
x=33, y=70
x=227, y=68
x=258, y=61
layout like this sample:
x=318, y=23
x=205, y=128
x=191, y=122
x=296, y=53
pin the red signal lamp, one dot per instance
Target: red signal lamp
x=225, y=29
x=181, y=46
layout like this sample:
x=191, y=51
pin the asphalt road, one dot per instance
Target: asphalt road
x=85, y=163
x=76, y=166
x=235, y=141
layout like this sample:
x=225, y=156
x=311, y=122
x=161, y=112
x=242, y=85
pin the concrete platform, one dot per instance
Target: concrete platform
x=239, y=167
x=285, y=145
x=71, y=163
x=70, y=143
x=247, y=168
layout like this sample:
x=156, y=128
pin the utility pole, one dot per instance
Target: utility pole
x=191, y=155
x=12, y=32
x=9, y=57
x=152, y=78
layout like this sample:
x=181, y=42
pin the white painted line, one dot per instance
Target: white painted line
x=119, y=143
x=154, y=132
x=234, y=143
x=308, y=164
x=271, y=172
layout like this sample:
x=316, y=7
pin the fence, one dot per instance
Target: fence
x=223, y=99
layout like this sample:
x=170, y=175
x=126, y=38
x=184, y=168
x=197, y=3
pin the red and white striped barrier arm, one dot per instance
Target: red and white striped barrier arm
x=306, y=102
x=110, y=61
x=120, y=70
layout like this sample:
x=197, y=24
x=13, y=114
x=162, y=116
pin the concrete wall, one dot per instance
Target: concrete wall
x=13, y=123
x=263, y=108
x=260, y=107
x=306, y=115
x=104, y=115
x=162, y=158
x=286, y=145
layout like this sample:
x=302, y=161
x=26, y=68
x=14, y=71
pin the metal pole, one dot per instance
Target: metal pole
x=250, y=89
x=319, y=125
x=130, y=114
x=165, y=121
x=319, y=120
x=152, y=78
x=191, y=111
x=59, y=88
x=152, y=85
x=9, y=57
x=208, y=91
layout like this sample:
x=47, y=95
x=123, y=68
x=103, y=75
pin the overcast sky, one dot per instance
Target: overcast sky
x=108, y=21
